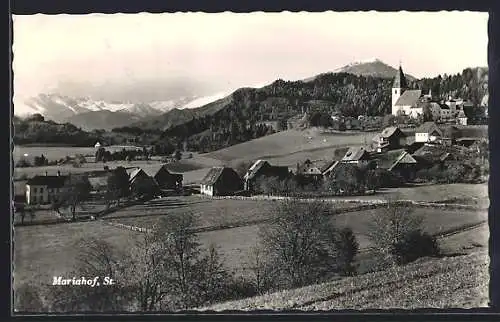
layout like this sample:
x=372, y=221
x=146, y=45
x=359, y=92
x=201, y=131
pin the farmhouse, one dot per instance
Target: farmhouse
x=431, y=155
x=428, y=132
x=260, y=169
x=164, y=178
x=138, y=179
x=310, y=170
x=44, y=189
x=221, y=181
x=397, y=161
x=357, y=155
x=390, y=138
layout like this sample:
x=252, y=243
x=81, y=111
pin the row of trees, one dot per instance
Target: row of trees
x=346, y=180
x=167, y=268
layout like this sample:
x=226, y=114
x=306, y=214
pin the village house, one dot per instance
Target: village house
x=221, y=181
x=357, y=155
x=262, y=169
x=164, y=178
x=399, y=162
x=390, y=138
x=311, y=171
x=461, y=118
x=44, y=189
x=428, y=156
x=446, y=113
x=428, y=132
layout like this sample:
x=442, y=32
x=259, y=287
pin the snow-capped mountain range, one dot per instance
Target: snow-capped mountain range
x=90, y=114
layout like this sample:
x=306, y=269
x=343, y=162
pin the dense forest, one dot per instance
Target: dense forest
x=249, y=113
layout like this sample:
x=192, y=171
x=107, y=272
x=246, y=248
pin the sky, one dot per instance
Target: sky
x=232, y=50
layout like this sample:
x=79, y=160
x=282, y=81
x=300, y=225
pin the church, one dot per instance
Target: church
x=404, y=99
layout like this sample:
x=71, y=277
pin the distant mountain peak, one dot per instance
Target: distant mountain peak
x=373, y=67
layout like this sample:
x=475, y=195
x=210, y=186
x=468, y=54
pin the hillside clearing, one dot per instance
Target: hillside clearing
x=450, y=282
x=288, y=142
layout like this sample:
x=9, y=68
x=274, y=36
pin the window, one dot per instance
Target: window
x=41, y=189
x=35, y=190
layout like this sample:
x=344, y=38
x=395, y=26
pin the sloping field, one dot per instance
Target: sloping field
x=451, y=282
x=287, y=142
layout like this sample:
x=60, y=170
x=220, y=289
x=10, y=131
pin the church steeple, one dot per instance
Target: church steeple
x=398, y=87
x=400, y=79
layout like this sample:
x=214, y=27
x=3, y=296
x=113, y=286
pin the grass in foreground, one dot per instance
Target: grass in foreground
x=452, y=282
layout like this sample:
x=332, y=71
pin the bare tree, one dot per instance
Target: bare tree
x=392, y=229
x=300, y=244
x=76, y=191
x=259, y=268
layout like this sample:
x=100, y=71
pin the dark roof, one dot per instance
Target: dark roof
x=409, y=98
x=132, y=173
x=400, y=79
x=389, y=131
x=212, y=176
x=437, y=153
x=330, y=166
x=254, y=169
x=355, y=154
x=153, y=169
x=49, y=181
x=427, y=127
x=391, y=158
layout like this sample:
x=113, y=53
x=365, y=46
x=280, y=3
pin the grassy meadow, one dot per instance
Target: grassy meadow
x=231, y=224
x=288, y=142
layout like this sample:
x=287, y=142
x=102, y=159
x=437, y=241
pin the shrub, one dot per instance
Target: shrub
x=23, y=163
x=414, y=245
x=347, y=248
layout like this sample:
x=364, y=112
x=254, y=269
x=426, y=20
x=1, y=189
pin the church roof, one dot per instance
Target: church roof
x=409, y=98
x=400, y=79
